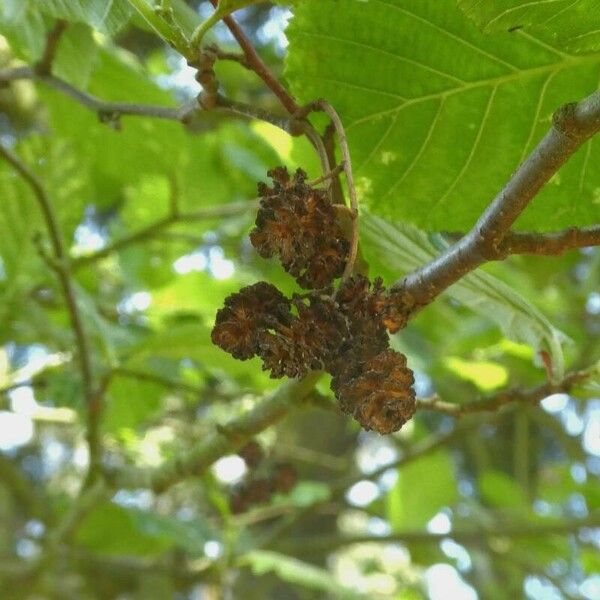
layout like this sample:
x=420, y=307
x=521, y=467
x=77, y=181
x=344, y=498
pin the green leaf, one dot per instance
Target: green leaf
x=111, y=529
x=62, y=387
x=544, y=550
x=590, y=560
x=75, y=55
x=114, y=529
x=56, y=165
x=107, y=16
x=24, y=28
x=499, y=490
x=130, y=402
x=575, y=25
x=191, y=534
x=423, y=488
x=486, y=375
x=402, y=248
x=438, y=114
x=296, y=572
x=185, y=16
x=19, y=218
x=307, y=493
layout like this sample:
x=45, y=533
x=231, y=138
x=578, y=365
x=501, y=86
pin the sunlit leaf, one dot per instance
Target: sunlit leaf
x=108, y=16
x=439, y=114
x=422, y=490
x=487, y=376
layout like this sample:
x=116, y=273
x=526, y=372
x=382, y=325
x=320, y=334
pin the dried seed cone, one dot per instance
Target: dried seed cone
x=297, y=223
x=358, y=297
x=284, y=478
x=308, y=343
x=380, y=395
x=252, y=454
x=240, y=321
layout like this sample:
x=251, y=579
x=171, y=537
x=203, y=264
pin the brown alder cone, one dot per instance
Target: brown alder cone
x=284, y=478
x=343, y=333
x=237, y=503
x=358, y=296
x=297, y=223
x=366, y=336
x=307, y=343
x=252, y=454
x=239, y=322
x=380, y=396
x=258, y=491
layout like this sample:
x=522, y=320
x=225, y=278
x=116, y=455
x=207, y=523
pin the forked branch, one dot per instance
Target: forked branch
x=573, y=124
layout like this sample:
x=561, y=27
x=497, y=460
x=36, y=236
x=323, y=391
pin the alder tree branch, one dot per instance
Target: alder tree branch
x=337, y=193
x=60, y=264
x=573, y=124
x=550, y=244
x=254, y=112
x=224, y=440
x=254, y=62
x=106, y=110
x=510, y=396
x=157, y=228
x=238, y=57
x=477, y=535
x=111, y=112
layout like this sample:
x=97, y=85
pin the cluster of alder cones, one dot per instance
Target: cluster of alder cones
x=340, y=330
x=279, y=478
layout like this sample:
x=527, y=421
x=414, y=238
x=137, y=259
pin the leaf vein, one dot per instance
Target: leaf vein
x=474, y=147
x=536, y=115
x=381, y=141
x=450, y=34
x=419, y=152
x=519, y=7
x=405, y=59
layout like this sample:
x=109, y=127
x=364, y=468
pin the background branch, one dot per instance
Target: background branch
x=226, y=440
x=106, y=110
x=511, y=396
x=467, y=536
x=156, y=228
x=62, y=269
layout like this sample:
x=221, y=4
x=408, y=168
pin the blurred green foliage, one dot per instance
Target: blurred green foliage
x=439, y=113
